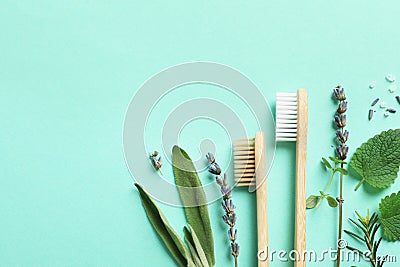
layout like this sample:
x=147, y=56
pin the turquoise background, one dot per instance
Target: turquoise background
x=68, y=70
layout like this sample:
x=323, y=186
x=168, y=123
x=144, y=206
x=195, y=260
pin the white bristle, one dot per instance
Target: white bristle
x=286, y=116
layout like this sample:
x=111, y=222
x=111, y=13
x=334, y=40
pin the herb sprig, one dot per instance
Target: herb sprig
x=314, y=201
x=368, y=226
x=227, y=204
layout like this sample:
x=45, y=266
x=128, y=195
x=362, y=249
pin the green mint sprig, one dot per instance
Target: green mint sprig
x=315, y=201
x=377, y=161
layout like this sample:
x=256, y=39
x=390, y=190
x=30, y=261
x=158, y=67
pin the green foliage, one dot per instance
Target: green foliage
x=367, y=228
x=377, y=161
x=160, y=223
x=193, y=199
x=199, y=251
x=314, y=201
x=332, y=202
x=390, y=216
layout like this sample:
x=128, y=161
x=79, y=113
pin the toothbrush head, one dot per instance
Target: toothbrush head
x=244, y=161
x=286, y=116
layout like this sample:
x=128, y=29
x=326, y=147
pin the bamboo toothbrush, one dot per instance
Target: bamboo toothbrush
x=251, y=170
x=291, y=125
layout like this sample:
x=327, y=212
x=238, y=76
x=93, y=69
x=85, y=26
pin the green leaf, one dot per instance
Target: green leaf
x=199, y=249
x=194, y=200
x=377, y=161
x=191, y=245
x=326, y=163
x=160, y=223
x=312, y=201
x=342, y=171
x=335, y=160
x=332, y=202
x=390, y=216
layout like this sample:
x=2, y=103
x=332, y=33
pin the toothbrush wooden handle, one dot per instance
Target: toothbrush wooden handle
x=301, y=158
x=262, y=207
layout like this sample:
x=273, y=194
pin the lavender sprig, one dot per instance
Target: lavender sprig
x=341, y=150
x=336, y=164
x=227, y=204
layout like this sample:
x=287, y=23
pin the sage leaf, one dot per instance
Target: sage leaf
x=312, y=201
x=198, y=247
x=160, y=223
x=194, y=200
x=332, y=202
x=191, y=245
x=390, y=216
x=326, y=163
x=377, y=161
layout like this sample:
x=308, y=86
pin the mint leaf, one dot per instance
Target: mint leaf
x=377, y=161
x=390, y=216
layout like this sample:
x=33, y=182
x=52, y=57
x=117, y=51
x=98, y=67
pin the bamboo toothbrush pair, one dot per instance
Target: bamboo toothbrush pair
x=250, y=167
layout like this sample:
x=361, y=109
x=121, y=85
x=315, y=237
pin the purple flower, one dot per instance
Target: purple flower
x=235, y=249
x=210, y=157
x=342, y=151
x=338, y=92
x=228, y=206
x=156, y=162
x=340, y=121
x=232, y=234
x=342, y=107
x=214, y=169
x=342, y=136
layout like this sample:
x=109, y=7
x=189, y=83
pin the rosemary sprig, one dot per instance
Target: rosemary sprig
x=368, y=226
x=227, y=204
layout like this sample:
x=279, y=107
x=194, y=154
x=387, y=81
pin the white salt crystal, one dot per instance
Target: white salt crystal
x=372, y=85
x=390, y=78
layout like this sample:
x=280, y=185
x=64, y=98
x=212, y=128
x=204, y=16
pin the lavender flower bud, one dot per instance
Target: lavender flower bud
x=219, y=180
x=342, y=151
x=232, y=234
x=340, y=121
x=226, y=219
x=342, y=136
x=226, y=191
x=338, y=92
x=228, y=206
x=229, y=219
x=214, y=169
x=225, y=179
x=210, y=157
x=233, y=219
x=157, y=163
x=235, y=249
x=342, y=107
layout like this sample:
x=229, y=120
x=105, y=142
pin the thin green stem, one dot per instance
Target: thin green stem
x=359, y=184
x=339, y=256
x=326, y=188
x=236, y=262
